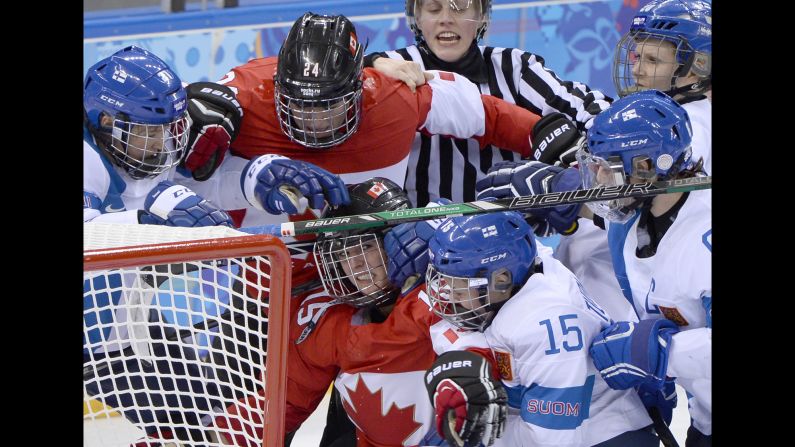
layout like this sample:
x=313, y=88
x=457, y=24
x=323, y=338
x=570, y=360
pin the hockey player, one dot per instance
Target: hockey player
x=135, y=133
x=447, y=33
x=668, y=47
x=489, y=280
x=662, y=255
x=363, y=334
x=660, y=247
x=314, y=110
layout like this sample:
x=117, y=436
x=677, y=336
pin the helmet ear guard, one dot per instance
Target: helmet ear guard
x=501, y=286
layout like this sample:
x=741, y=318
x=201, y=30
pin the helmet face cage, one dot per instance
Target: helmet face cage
x=318, y=123
x=668, y=40
x=353, y=269
x=462, y=301
x=457, y=7
x=646, y=60
x=147, y=150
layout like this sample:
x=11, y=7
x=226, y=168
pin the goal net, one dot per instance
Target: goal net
x=184, y=336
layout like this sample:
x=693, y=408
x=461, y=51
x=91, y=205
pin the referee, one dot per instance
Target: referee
x=447, y=34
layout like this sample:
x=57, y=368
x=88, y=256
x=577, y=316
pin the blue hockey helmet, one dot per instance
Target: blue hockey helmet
x=687, y=25
x=468, y=255
x=147, y=107
x=646, y=135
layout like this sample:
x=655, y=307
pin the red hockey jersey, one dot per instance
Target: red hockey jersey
x=391, y=114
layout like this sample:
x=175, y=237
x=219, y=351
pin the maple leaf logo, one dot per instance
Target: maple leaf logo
x=385, y=429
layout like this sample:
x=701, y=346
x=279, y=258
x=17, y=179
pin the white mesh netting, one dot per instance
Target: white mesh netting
x=170, y=349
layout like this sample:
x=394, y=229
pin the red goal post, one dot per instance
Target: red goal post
x=184, y=315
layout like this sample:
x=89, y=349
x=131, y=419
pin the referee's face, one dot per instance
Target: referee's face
x=449, y=32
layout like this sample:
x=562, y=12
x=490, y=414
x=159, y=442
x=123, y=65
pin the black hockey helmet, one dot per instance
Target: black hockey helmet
x=352, y=264
x=373, y=195
x=318, y=81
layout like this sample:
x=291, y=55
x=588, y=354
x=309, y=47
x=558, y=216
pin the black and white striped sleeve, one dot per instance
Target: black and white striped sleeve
x=523, y=76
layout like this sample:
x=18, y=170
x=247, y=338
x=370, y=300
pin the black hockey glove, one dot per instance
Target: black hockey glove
x=556, y=140
x=470, y=404
x=215, y=122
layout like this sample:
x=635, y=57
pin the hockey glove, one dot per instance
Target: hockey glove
x=470, y=404
x=406, y=247
x=215, y=122
x=513, y=179
x=177, y=206
x=556, y=140
x=664, y=399
x=631, y=354
x=276, y=184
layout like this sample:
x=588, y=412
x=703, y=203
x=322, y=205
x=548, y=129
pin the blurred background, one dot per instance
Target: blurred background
x=202, y=40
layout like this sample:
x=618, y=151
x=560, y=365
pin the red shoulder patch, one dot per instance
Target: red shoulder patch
x=504, y=364
x=446, y=76
x=451, y=335
x=673, y=314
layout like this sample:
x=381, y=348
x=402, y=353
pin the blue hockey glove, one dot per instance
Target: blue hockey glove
x=177, y=206
x=279, y=185
x=513, y=179
x=406, y=247
x=630, y=354
x=664, y=399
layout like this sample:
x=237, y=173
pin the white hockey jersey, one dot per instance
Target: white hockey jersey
x=586, y=253
x=676, y=283
x=700, y=114
x=120, y=195
x=540, y=339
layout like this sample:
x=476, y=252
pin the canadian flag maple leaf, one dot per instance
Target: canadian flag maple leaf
x=392, y=428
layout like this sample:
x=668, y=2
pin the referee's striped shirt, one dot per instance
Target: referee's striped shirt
x=450, y=168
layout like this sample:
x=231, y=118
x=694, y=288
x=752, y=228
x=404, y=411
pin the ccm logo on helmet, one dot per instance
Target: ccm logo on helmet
x=494, y=258
x=111, y=101
x=446, y=367
x=634, y=142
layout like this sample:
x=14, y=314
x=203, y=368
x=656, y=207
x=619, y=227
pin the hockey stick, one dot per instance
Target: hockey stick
x=522, y=203
x=662, y=429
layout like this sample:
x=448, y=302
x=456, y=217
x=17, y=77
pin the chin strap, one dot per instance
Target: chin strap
x=694, y=89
